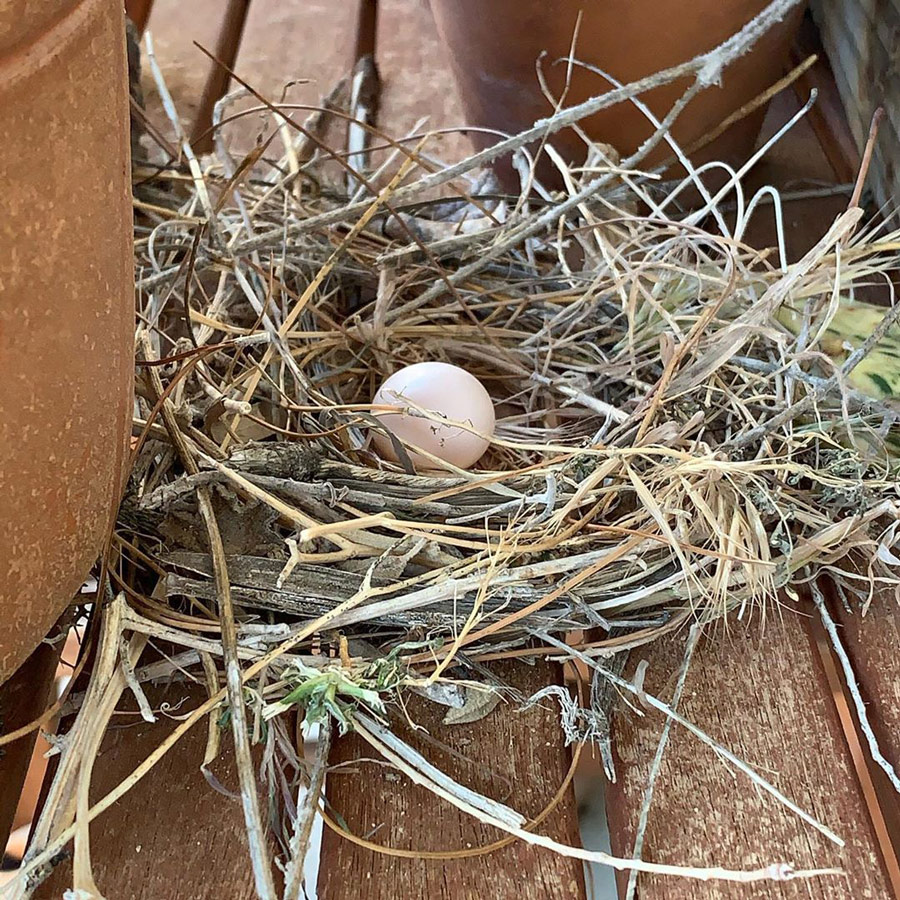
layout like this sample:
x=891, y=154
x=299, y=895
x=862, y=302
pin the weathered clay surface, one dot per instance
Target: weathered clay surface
x=66, y=303
x=495, y=46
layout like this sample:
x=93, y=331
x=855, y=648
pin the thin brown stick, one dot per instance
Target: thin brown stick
x=705, y=67
x=877, y=116
x=644, y=817
x=748, y=108
x=776, y=872
x=262, y=871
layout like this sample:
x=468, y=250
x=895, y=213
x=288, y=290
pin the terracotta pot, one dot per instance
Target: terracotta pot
x=494, y=46
x=67, y=307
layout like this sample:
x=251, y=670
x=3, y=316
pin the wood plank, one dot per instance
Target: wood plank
x=173, y=829
x=515, y=757
x=862, y=38
x=174, y=26
x=416, y=78
x=228, y=42
x=761, y=693
x=827, y=117
x=311, y=43
x=23, y=697
x=172, y=835
x=862, y=46
x=880, y=804
x=872, y=642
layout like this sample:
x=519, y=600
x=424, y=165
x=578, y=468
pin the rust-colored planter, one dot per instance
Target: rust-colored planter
x=66, y=303
x=494, y=46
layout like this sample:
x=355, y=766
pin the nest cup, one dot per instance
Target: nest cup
x=636, y=355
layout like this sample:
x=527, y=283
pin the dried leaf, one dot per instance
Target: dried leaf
x=478, y=704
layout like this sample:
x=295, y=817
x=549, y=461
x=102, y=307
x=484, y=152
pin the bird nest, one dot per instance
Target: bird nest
x=673, y=443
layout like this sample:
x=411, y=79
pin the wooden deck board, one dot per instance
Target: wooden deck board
x=759, y=691
x=172, y=835
x=873, y=643
x=310, y=43
x=514, y=757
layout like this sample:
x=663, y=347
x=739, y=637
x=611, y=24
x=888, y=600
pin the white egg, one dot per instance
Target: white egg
x=458, y=405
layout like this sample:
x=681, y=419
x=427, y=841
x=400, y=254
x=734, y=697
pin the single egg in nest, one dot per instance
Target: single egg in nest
x=441, y=409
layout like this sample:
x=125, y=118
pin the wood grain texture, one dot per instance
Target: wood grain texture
x=313, y=590
x=759, y=691
x=172, y=835
x=511, y=756
x=312, y=44
x=861, y=39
